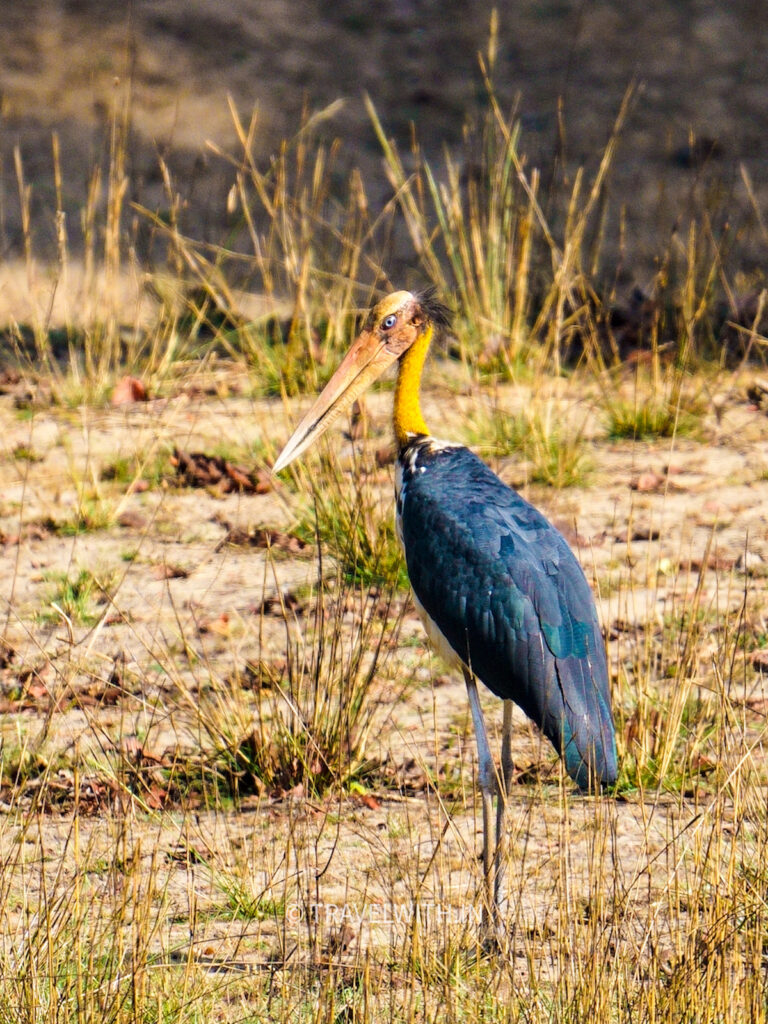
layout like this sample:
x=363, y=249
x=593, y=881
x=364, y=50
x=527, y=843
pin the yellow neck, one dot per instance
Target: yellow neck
x=407, y=413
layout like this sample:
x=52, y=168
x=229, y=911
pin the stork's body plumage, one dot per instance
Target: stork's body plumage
x=504, y=589
x=499, y=590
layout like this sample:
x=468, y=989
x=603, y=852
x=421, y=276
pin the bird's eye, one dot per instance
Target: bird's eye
x=388, y=322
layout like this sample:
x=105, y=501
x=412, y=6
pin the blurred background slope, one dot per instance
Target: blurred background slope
x=698, y=122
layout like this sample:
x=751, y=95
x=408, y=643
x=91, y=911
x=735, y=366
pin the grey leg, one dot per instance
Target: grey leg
x=507, y=767
x=487, y=780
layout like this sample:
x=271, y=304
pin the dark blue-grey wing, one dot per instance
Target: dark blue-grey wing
x=505, y=589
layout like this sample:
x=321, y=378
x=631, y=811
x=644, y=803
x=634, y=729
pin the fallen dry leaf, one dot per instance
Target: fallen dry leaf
x=639, y=533
x=647, y=482
x=339, y=940
x=156, y=797
x=30, y=531
x=620, y=626
x=263, y=538
x=196, y=469
x=261, y=675
x=295, y=792
x=100, y=694
x=7, y=652
x=8, y=380
x=132, y=520
x=759, y=659
x=276, y=604
x=263, y=481
x=134, y=751
x=369, y=800
x=166, y=571
x=219, y=626
x=184, y=853
x=129, y=390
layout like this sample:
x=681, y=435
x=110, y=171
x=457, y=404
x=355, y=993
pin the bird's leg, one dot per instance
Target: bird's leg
x=507, y=767
x=487, y=779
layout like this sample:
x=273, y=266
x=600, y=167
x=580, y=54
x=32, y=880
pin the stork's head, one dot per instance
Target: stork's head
x=391, y=328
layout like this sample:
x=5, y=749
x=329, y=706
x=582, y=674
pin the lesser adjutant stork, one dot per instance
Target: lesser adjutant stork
x=499, y=591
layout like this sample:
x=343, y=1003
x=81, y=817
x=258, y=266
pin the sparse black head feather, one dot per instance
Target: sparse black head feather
x=433, y=308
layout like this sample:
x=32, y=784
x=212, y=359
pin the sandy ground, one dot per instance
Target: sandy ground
x=704, y=492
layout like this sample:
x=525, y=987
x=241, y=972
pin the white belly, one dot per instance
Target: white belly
x=437, y=638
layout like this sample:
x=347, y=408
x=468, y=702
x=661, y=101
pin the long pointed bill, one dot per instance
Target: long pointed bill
x=362, y=365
